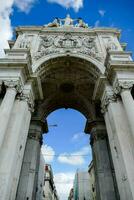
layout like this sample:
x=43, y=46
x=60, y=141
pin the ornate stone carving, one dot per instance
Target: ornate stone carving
x=111, y=45
x=28, y=98
x=16, y=84
x=67, y=43
x=25, y=42
x=81, y=23
x=67, y=22
x=107, y=98
x=55, y=23
x=46, y=41
x=122, y=85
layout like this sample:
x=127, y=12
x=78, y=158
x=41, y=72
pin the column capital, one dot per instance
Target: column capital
x=108, y=97
x=13, y=84
x=120, y=85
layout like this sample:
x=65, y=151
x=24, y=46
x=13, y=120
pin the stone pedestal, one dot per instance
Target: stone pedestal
x=121, y=143
x=13, y=149
x=103, y=174
x=27, y=187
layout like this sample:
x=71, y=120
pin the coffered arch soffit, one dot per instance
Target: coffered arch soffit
x=68, y=82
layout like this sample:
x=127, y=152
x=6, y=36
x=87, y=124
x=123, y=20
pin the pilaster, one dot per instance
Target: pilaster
x=121, y=143
x=28, y=182
x=103, y=173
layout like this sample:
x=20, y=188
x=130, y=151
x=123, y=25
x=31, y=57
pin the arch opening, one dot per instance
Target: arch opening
x=66, y=147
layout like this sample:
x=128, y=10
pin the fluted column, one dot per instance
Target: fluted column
x=6, y=109
x=121, y=143
x=27, y=187
x=13, y=149
x=105, y=189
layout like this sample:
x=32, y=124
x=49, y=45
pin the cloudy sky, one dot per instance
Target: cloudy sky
x=66, y=146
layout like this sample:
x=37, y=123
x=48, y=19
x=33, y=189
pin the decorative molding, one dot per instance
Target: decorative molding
x=67, y=42
x=15, y=84
x=67, y=22
x=120, y=85
x=108, y=97
x=28, y=98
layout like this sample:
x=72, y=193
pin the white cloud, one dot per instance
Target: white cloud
x=75, y=4
x=24, y=5
x=75, y=158
x=6, y=9
x=77, y=136
x=64, y=182
x=48, y=153
x=97, y=23
x=102, y=13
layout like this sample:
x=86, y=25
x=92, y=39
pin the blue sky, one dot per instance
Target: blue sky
x=67, y=137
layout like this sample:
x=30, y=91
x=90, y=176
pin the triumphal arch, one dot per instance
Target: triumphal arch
x=67, y=64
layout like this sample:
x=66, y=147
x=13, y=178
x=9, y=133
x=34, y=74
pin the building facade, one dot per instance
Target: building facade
x=92, y=186
x=49, y=189
x=82, y=186
x=67, y=64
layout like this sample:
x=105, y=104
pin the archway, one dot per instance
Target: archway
x=66, y=148
x=77, y=67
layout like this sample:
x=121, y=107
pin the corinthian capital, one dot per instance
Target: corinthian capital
x=15, y=84
x=108, y=97
x=122, y=85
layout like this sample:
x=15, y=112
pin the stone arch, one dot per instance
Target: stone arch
x=99, y=64
x=68, y=82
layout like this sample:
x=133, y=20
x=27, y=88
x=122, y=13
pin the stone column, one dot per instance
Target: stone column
x=5, y=111
x=13, y=149
x=28, y=185
x=124, y=89
x=103, y=174
x=121, y=144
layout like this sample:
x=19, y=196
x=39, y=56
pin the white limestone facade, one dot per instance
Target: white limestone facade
x=70, y=65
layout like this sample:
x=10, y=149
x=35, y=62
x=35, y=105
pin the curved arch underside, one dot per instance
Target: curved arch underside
x=67, y=82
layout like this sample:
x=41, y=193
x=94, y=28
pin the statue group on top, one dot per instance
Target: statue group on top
x=68, y=21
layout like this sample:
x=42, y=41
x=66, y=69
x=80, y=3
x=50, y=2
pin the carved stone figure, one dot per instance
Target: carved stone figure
x=111, y=45
x=67, y=21
x=81, y=23
x=55, y=23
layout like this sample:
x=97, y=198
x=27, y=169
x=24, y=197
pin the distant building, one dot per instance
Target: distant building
x=82, y=186
x=71, y=194
x=39, y=193
x=49, y=189
x=92, y=181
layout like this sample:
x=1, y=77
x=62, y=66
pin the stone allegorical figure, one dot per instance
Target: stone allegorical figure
x=81, y=23
x=67, y=21
x=55, y=23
